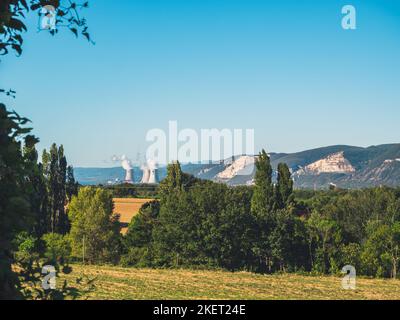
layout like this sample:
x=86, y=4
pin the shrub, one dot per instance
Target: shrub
x=57, y=248
x=26, y=247
x=137, y=257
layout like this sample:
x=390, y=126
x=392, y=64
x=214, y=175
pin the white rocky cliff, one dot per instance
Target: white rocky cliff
x=241, y=166
x=334, y=163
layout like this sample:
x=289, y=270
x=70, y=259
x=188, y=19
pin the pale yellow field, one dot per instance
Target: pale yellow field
x=116, y=283
x=127, y=208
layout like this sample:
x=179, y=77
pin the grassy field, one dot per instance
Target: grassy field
x=127, y=208
x=136, y=284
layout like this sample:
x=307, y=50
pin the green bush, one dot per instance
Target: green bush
x=26, y=247
x=57, y=248
x=137, y=257
x=351, y=255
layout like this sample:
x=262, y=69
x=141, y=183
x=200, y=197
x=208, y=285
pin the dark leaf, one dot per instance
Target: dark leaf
x=16, y=24
x=74, y=31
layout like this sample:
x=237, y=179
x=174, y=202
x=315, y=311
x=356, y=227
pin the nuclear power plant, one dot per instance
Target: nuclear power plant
x=149, y=169
x=150, y=172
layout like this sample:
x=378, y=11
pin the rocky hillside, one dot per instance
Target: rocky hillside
x=344, y=166
x=334, y=163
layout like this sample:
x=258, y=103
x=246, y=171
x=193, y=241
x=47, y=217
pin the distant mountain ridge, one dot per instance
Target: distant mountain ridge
x=342, y=165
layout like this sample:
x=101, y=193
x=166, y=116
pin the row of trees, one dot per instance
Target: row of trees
x=199, y=222
x=266, y=228
x=33, y=197
x=53, y=185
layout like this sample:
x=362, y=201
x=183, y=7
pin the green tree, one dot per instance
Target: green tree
x=15, y=193
x=55, y=168
x=94, y=228
x=262, y=205
x=324, y=239
x=354, y=209
x=140, y=230
x=350, y=254
x=288, y=241
x=234, y=227
x=138, y=241
x=262, y=201
x=72, y=186
x=178, y=237
x=57, y=248
x=284, y=186
x=381, y=252
x=38, y=192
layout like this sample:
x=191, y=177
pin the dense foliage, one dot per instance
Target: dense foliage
x=28, y=209
x=94, y=228
x=126, y=190
x=266, y=228
x=15, y=191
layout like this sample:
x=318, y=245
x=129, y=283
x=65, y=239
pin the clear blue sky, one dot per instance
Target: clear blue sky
x=285, y=68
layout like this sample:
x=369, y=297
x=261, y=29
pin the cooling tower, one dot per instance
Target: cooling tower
x=152, y=165
x=128, y=177
x=146, y=175
x=126, y=164
x=153, y=176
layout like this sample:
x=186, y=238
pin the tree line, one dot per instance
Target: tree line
x=33, y=198
x=268, y=227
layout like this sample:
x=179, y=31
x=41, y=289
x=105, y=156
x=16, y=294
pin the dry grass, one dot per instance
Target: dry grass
x=127, y=208
x=117, y=283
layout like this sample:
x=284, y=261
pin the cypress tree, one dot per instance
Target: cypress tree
x=284, y=186
x=262, y=204
x=168, y=233
x=71, y=186
x=38, y=196
x=55, y=169
x=263, y=197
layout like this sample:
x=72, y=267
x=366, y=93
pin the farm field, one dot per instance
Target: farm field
x=127, y=208
x=116, y=283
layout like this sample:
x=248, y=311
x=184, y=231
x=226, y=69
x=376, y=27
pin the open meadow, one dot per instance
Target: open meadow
x=116, y=283
x=127, y=208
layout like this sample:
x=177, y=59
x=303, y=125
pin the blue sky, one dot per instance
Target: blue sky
x=285, y=68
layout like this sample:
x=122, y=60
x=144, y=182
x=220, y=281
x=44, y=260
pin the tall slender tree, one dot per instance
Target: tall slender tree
x=262, y=201
x=168, y=234
x=284, y=187
x=38, y=196
x=262, y=205
x=63, y=225
x=55, y=168
x=71, y=187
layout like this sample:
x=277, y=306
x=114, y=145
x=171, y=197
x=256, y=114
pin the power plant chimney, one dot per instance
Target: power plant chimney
x=153, y=178
x=146, y=174
x=152, y=165
x=126, y=164
x=128, y=177
x=150, y=172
